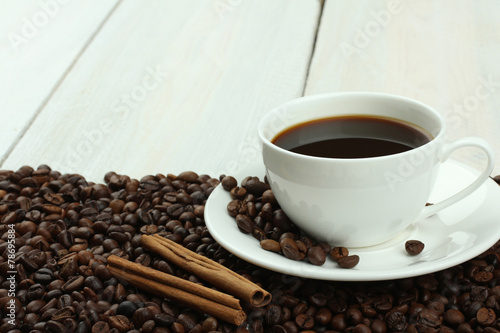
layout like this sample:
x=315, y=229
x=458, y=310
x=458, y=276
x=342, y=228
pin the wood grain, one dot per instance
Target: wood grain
x=443, y=53
x=39, y=42
x=169, y=86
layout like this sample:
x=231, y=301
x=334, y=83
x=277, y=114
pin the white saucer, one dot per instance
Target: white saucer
x=455, y=235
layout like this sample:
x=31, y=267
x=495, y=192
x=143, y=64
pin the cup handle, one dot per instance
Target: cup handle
x=446, y=152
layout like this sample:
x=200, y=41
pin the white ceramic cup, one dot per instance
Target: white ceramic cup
x=363, y=201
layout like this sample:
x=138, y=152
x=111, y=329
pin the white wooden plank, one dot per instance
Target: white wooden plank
x=39, y=40
x=443, y=53
x=169, y=86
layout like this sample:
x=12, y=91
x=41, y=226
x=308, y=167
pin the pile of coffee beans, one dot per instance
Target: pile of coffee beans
x=58, y=229
x=257, y=212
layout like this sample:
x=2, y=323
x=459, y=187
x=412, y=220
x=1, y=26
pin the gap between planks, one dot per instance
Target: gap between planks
x=58, y=84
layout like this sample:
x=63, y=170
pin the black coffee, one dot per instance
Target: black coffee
x=355, y=136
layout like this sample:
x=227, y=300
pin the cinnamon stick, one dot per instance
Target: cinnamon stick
x=208, y=270
x=223, y=312
x=174, y=281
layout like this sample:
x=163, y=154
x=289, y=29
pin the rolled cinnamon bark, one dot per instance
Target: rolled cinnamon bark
x=173, y=281
x=223, y=312
x=208, y=270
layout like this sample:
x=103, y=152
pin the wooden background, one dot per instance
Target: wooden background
x=165, y=86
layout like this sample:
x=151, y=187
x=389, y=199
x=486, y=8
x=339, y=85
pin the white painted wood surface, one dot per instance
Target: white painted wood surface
x=444, y=53
x=168, y=86
x=39, y=42
x=165, y=86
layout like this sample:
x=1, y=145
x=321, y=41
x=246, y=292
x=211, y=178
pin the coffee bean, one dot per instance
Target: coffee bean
x=238, y=193
x=289, y=249
x=270, y=245
x=338, y=252
x=482, y=276
x=281, y=221
x=254, y=186
x=273, y=315
x=414, y=247
x=73, y=283
x=187, y=321
x=36, y=291
x=316, y=255
x=429, y=318
x=100, y=327
x=211, y=323
x=63, y=313
x=35, y=305
x=454, y=317
x=396, y=321
x=141, y=315
x=361, y=328
x=53, y=326
x=120, y=322
x=43, y=275
x=486, y=317
x=378, y=326
x=188, y=176
x=348, y=261
x=323, y=316
x=304, y=321
x=164, y=319
x=244, y=223
x=64, y=301
x=228, y=182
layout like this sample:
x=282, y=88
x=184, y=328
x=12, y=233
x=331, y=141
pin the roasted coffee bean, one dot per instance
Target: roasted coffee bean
x=35, y=306
x=100, y=327
x=211, y=323
x=378, y=326
x=429, y=318
x=323, y=316
x=354, y=316
x=238, y=193
x=396, y=321
x=316, y=255
x=348, y=261
x=234, y=207
x=73, y=283
x=126, y=308
x=485, y=317
x=289, y=249
x=62, y=313
x=414, y=247
x=304, y=321
x=164, y=319
x=254, y=186
x=53, y=326
x=361, y=328
x=43, y=275
x=273, y=315
x=120, y=322
x=259, y=234
x=64, y=301
x=187, y=321
x=69, y=268
x=338, y=252
x=244, y=223
x=141, y=315
x=36, y=291
x=270, y=245
x=454, y=317
x=228, y=182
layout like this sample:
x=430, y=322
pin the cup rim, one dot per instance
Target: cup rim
x=305, y=99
